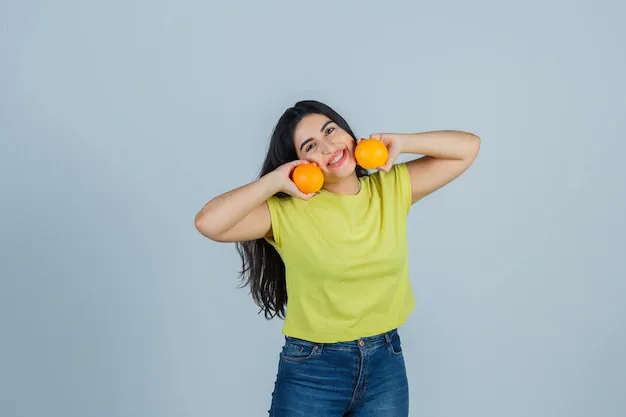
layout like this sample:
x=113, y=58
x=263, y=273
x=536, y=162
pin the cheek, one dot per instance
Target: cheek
x=349, y=141
x=351, y=146
x=311, y=156
x=305, y=156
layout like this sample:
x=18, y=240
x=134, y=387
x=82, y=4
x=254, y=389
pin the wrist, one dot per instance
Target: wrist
x=269, y=183
x=401, y=140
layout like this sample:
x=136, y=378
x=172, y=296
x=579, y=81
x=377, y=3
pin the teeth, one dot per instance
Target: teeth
x=336, y=159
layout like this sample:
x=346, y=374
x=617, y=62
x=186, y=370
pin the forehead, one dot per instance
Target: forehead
x=310, y=126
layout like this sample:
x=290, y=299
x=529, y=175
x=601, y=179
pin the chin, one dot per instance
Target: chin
x=345, y=170
x=349, y=168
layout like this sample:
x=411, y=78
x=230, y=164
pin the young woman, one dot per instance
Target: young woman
x=334, y=264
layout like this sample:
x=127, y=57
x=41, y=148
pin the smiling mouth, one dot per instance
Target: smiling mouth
x=338, y=158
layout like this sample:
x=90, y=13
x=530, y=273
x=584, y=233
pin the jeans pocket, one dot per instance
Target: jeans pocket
x=298, y=350
x=394, y=344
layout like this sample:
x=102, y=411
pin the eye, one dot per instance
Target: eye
x=309, y=147
x=330, y=130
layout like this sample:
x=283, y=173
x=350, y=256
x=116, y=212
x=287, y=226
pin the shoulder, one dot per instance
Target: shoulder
x=285, y=213
x=284, y=203
x=398, y=175
x=394, y=185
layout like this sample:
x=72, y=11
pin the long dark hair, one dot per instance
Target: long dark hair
x=262, y=266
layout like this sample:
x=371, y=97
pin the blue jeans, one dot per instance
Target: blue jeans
x=364, y=377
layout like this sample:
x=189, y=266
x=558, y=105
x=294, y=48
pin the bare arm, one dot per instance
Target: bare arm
x=242, y=214
x=238, y=215
x=447, y=155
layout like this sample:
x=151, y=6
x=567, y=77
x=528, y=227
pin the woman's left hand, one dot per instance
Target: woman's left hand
x=394, y=147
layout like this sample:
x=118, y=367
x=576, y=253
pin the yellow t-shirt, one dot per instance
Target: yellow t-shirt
x=346, y=259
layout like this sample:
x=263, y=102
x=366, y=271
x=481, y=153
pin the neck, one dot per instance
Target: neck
x=348, y=185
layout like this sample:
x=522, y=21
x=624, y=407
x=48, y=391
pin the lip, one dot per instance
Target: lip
x=341, y=161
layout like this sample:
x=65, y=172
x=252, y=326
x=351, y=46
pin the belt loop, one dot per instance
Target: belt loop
x=388, y=337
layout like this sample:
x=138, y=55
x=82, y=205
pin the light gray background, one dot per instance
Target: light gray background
x=120, y=119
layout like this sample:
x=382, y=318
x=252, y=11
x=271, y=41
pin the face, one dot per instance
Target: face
x=318, y=139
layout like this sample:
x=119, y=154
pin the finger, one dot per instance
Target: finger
x=304, y=196
x=299, y=162
x=293, y=164
x=294, y=191
x=388, y=165
x=302, y=162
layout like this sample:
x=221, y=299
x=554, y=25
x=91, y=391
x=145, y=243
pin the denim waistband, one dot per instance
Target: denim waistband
x=354, y=344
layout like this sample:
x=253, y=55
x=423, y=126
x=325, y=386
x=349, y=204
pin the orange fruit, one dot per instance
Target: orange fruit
x=308, y=178
x=371, y=153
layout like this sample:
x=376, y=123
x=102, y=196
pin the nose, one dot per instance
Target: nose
x=328, y=147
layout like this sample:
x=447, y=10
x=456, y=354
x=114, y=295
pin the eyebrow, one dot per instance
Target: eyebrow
x=321, y=130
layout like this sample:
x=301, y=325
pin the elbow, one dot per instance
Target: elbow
x=207, y=228
x=473, y=137
x=469, y=147
x=203, y=227
x=474, y=146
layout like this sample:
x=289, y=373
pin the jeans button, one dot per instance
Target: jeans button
x=361, y=343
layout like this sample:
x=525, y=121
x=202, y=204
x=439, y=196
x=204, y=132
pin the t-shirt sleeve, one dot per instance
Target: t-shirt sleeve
x=273, y=204
x=398, y=180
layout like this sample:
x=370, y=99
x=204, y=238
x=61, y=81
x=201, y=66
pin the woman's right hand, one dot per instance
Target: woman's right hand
x=242, y=214
x=284, y=183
